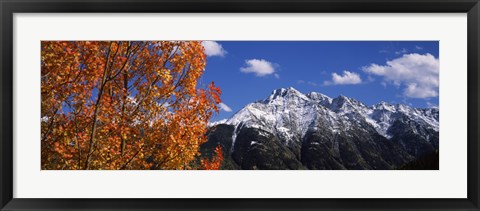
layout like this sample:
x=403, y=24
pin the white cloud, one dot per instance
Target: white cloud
x=213, y=48
x=416, y=73
x=277, y=76
x=259, y=67
x=347, y=78
x=225, y=107
x=403, y=51
x=384, y=84
x=418, y=47
x=370, y=79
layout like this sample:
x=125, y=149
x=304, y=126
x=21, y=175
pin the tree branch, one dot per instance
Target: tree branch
x=95, y=113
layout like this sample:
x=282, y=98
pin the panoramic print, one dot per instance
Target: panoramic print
x=239, y=105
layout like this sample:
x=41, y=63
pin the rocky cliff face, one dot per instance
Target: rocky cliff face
x=292, y=130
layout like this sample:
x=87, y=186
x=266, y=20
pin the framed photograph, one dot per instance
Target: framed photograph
x=265, y=105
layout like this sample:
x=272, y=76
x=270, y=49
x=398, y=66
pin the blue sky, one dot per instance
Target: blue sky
x=370, y=71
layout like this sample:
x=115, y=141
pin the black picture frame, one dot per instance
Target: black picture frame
x=9, y=7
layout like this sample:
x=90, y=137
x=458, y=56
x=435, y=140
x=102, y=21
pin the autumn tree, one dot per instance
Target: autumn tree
x=215, y=162
x=123, y=104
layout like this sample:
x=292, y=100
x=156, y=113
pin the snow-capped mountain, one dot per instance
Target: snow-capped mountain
x=289, y=112
x=319, y=131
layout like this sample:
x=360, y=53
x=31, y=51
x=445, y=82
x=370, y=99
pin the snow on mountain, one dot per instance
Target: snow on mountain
x=289, y=114
x=222, y=121
x=286, y=112
x=320, y=98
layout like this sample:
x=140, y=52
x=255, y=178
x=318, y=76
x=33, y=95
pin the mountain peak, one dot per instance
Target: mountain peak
x=317, y=94
x=341, y=99
x=285, y=93
x=285, y=90
x=320, y=98
x=385, y=106
x=344, y=103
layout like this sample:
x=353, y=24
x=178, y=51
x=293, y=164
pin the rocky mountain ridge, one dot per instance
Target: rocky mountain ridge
x=292, y=130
